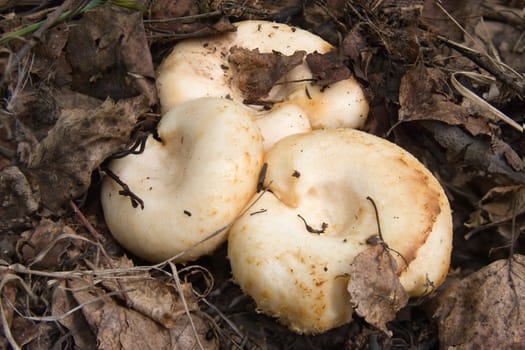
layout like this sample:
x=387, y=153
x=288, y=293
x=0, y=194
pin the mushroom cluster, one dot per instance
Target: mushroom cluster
x=292, y=246
x=294, y=103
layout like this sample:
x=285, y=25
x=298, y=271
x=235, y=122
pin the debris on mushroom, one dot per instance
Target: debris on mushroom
x=263, y=64
x=300, y=275
x=193, y=182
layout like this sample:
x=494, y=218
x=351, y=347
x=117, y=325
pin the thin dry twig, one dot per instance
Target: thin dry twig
x=175, y=275
x=7, y=330
x=491, y=112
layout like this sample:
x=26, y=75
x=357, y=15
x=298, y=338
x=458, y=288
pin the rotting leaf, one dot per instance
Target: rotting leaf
x=327, y=68
x=257, y=73
x=485, y=310
x=62, y=163
x=374, y=287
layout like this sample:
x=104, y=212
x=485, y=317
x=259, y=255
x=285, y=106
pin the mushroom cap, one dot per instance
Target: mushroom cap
x=193, y=183
x=325, y=176
x=203, y=64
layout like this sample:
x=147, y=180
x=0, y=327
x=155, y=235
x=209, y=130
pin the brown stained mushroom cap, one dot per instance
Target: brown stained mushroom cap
x=292, y=251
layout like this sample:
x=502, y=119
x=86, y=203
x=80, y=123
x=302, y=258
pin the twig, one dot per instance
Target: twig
x=493, y=113
x=175, y=275
x=94, y=233
x=7, y=330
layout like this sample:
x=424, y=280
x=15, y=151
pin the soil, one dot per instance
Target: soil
x=444, y=80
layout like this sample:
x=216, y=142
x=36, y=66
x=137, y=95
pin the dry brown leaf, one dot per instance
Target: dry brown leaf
x=466, y=13
x=257, y=73
x=421, y=98
x=327, y=68
x=7, y=298
x=40, y=240
x=119, y=328
x=485, y=310
x=499, y=206
x=18, y=200
x=374, y=287
x=109, y=54
x=154, y=298
x=164, y=11
x=62, y=302
x=62, y=163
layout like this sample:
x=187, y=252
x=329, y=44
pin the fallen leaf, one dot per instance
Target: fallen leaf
x=163, y=12
x=485, y=310
x=154, y=298
x=327, y=68
x=62, y=163
x=474, y=152
x=257, y=73
x=120, y=328
x=500, y=205
x=374, y=287
x=8, y=296
x=464, y=12
x=18, y=198
x=422, y=97
x=42, y=240
x=62, y=302
x=109, y=55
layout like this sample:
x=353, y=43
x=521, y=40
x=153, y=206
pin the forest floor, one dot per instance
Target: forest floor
x=444, y=80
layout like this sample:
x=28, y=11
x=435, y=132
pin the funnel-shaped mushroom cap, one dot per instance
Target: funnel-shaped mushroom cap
x=193, y=183
x=293, y=249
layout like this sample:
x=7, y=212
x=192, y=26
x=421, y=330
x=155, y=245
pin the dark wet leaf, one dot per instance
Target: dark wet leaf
x=374, y=287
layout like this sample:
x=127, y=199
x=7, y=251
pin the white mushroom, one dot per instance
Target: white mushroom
x=193, y=183
x=202, y=67
x=292, y=251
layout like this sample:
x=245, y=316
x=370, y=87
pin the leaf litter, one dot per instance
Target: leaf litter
x=76, y=88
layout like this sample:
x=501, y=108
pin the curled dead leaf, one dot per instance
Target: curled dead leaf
x=374, y=287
